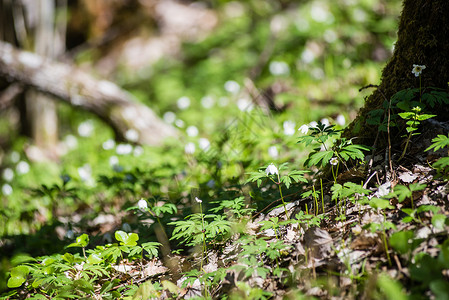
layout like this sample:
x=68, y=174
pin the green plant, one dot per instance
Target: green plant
x=402, y=192
x=310, y=220
x=442, y=164
x=196, y=227
x=73, y=276
x=348, y=191
x=384, y=225
x=320, y=134
x=235, y=209
x=270, y=171
x=414, y=119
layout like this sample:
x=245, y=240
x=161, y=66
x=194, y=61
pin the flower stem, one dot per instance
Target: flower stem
x=322, y=195
x=204, y=237
x=282, y=197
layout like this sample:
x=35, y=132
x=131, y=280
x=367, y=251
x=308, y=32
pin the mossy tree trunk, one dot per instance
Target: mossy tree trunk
x=423, y=39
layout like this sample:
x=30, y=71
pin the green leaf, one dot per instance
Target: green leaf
x=81, y=241
x=423, y=117
x=416, y=187
x=439, y=142
x=170, y=286
x=407, y=115
x=435, y=97
x=94, y=259
x=353, y=151
x=438, y=221
x=319, y=158
x=390, y=288
x=378, y=203
x=375, y=116
x=151, y=248
x=402, y=241
x=441, y=164
x=18, y=276
x=402, y=192
x=404, y=95
x=126, y=239
x=68, y=257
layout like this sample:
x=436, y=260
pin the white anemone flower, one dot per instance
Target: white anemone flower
x=272, y=170
x=232, y=87
x=169, y=117
x=198, y=200
x=183, y=102
x=417, y=69
x=189, y=148
x=142, y=204
x=340, y=120
x=86, y=128
x=273, y=152
x=124, y=149
x=23, y=167
x=289, y=127
x=113, y=160
x=15, y=156
x=132, y=135
x=138, y=151
x=192, y=131
x=304, y=129
x=8, y=174
x=325, y=121
x=7, y=189
x=204, y=143
x=109, y=144
x=333, y=161
x=313, y=124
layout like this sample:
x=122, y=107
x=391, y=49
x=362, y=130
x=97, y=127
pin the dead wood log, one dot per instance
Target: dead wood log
x=69, y=83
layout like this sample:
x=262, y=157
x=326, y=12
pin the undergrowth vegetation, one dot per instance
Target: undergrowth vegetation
x=247, y=204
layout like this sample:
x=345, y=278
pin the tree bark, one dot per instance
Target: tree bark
x=423, y=39
x=75, y=86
